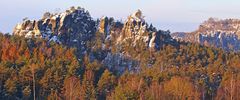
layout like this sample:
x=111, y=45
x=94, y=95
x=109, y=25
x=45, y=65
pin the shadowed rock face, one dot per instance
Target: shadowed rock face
x=215, y=33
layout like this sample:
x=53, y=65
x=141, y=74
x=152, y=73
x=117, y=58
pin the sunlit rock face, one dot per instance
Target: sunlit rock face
x=215, y=33
x=138, y=30
x=134, y=26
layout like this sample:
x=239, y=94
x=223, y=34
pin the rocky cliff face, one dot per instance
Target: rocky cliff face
x=76, y=28
x=216, y=33
x=134, y=34
x=75, y=25
x=136, y=29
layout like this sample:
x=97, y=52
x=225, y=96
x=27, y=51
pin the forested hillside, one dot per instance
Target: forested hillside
x=111, y=60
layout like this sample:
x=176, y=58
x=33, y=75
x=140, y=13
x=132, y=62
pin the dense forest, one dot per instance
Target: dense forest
x=38, y=69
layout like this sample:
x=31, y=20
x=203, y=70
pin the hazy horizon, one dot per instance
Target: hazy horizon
x=173, y=15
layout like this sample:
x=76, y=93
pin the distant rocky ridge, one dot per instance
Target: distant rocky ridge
x=214, y=32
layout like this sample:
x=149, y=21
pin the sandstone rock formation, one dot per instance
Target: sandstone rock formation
x=214, y=32
x=106, y=39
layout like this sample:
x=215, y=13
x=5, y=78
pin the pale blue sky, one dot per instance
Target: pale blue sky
x=175, y=15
